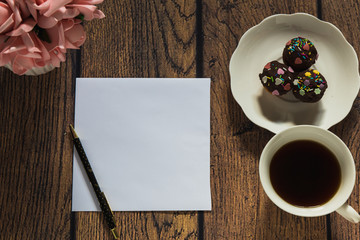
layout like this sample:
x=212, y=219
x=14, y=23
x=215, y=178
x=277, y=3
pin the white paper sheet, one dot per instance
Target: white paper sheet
x=148, y=142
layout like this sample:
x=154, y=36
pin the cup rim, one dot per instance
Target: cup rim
x=333, y=204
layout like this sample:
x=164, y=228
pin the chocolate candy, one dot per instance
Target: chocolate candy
x=300, y=53
x=309, y=86
x=277, y=78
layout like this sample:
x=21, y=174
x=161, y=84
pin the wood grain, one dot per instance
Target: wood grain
x=35, y=160
x=348, y=130
x=141, y=39
x=158, y=38
x=240, y=208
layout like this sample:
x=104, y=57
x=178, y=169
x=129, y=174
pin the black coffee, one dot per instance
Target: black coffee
x=305, y=173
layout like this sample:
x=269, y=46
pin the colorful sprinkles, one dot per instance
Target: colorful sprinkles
x=277, y=78
x=312, y=81
x=302, y=48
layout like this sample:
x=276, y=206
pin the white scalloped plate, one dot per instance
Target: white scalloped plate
x=265, y=42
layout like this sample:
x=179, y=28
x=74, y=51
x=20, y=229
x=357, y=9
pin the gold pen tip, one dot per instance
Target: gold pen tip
x=73, y=132
x=114, y=232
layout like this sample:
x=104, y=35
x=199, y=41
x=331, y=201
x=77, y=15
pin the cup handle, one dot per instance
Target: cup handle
x=349, y=213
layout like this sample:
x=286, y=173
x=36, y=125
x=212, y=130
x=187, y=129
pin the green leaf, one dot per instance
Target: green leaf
x=80, y=16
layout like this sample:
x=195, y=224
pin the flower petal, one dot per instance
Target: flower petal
x=47, y=22
x=5, y=12
x=21, y=64
x=25, y=27
x=55, y=5
x=75, y=37
x=7, y=25
x=66, y=13
x=86, y=10
x=32, y=10
x=87, y=2
x=98, y=14
x=29, y=43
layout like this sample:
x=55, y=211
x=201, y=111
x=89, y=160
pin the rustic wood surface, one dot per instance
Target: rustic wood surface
x=158, y=38
x=348, y=129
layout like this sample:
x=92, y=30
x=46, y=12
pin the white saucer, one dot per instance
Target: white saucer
x=265, y=42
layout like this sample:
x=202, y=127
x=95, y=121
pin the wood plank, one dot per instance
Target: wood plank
x=35, y=156
x=347, y=20
x=241, y=210
x=141, y=39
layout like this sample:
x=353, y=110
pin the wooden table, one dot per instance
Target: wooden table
x=158, y=38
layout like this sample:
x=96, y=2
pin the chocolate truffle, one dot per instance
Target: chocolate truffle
x=300, y=53
x=277, y=78
x=309, y=86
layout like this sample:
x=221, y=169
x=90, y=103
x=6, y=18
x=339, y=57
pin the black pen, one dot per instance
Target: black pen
x=104, y=205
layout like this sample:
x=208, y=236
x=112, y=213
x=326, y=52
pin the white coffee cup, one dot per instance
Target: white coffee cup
x=332, y=142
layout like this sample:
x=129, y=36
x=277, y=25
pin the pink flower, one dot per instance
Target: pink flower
x=36, y=33
x=50, y=12
x=67, y=34
x=14, y=18
x=23, y=53
x=87, y=8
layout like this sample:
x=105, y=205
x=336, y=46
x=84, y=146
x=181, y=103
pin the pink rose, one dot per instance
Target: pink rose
x=67, y=34
x=50, y=12
x=87, y=8
x=23, y=53
x=74, y=34
x=6, y=18
x=37, y=33
x=14, y=18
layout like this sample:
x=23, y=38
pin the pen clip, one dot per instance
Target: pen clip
x=116, y=236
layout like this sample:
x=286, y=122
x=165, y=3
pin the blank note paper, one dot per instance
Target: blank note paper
x=148, y=142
